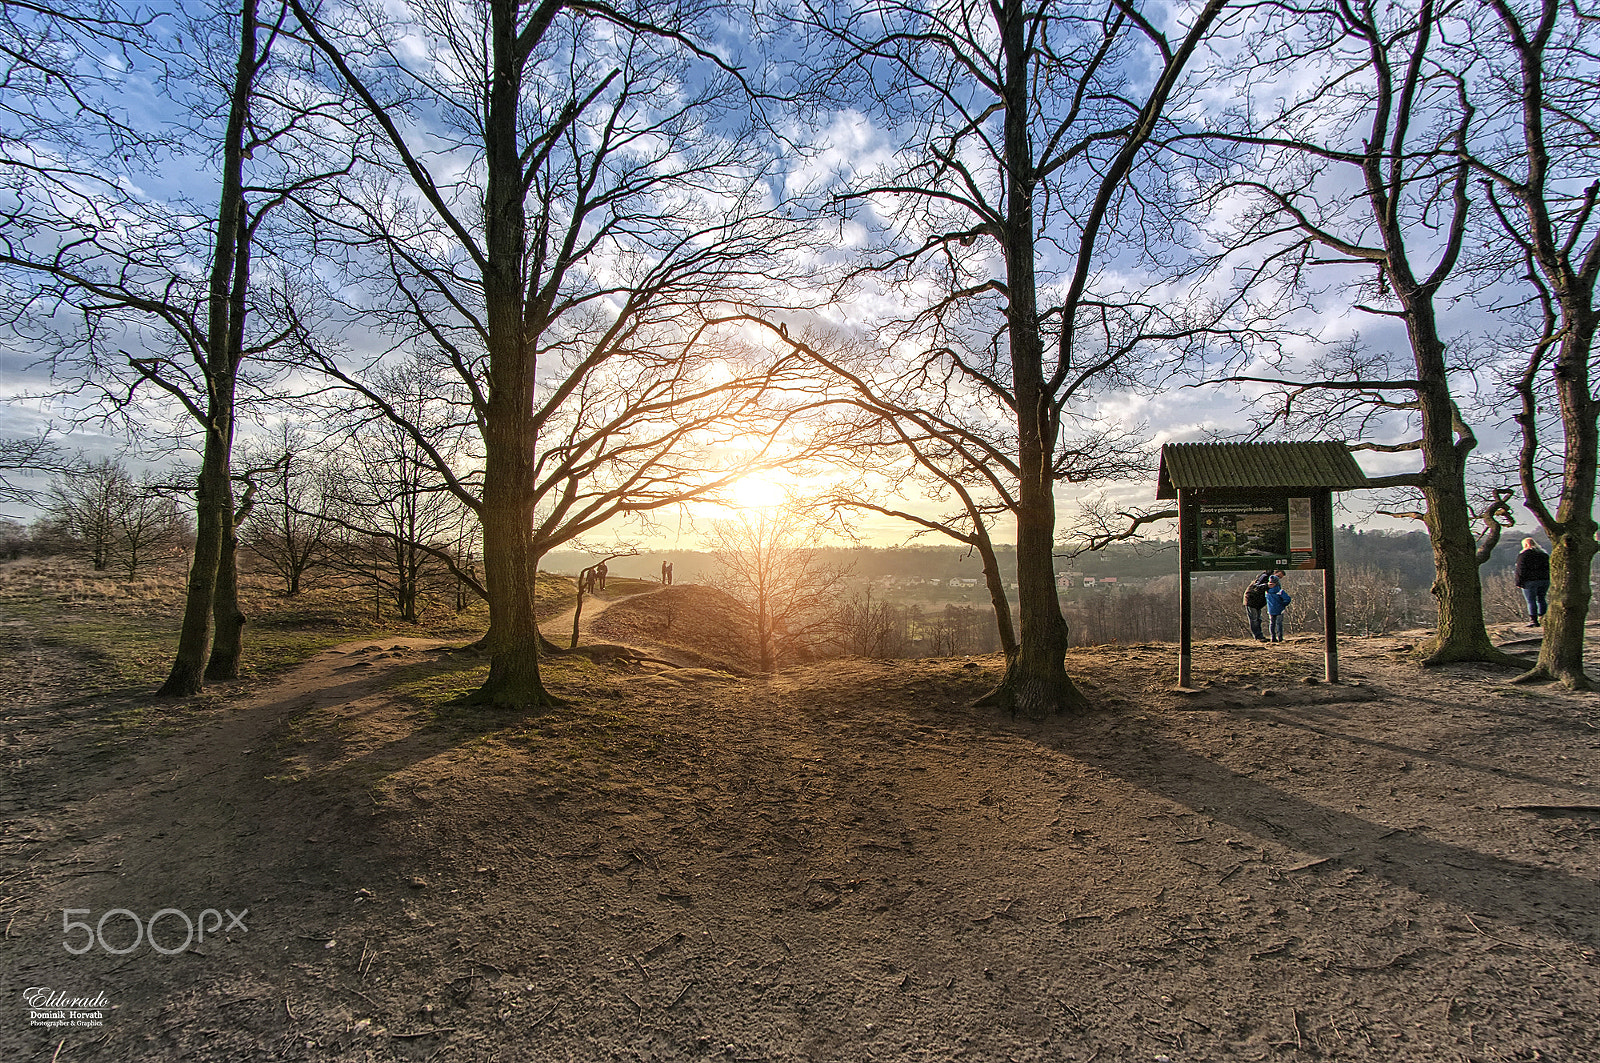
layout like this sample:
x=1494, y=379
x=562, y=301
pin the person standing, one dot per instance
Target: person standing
x=1277, y=601
x=1533, y=577
x=1255, y=600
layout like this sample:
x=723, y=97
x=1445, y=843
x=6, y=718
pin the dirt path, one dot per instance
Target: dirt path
x=559, y=629
x=842, y=862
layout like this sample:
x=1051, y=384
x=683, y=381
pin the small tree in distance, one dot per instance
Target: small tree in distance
x=83, y=508
x=288, y=528
x=112, y=518
x=763, y=561
x=147, y=525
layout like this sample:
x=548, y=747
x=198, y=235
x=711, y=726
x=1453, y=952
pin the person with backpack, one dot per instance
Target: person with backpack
x=1277, y=601
x=1255, y=600
x=1533, y=578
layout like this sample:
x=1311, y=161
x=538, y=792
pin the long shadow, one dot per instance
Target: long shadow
x=1291, y=718
x=1508, y=890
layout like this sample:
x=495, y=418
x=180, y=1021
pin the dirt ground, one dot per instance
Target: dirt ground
x=842, y=861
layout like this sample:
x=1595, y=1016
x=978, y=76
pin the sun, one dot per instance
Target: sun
x=758, y=491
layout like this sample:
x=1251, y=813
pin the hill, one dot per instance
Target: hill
x=695, y=625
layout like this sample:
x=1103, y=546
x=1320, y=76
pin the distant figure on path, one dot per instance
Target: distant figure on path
x=1255, y=600
x=666, y=574
x=669, y=573
x=1277, y=601
x=1533, y=576
x=600, y=575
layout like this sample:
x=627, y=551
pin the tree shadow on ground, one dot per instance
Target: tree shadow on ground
x=1501, y=888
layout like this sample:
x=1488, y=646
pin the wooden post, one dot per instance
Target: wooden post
x=1185, y=595
x=1330, y=606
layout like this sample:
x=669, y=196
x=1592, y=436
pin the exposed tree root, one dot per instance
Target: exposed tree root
x=1543, y=673
x=1065, y=698
x=1431, y=655
x=176, y=686
x=505, y=701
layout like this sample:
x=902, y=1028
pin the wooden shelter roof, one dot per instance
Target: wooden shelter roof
x=1246, y=465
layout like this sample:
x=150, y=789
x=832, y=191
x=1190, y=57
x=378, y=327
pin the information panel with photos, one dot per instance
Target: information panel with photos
x=1254, y=533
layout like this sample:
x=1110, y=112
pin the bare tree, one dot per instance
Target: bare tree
x=383, y=489
x=955, y=446
x=146, y=525
x=1542, y=181
x=1388, y=115
x=288, y=529
x=563, y=194
x=1024, y=138
x=765, y=561
x=84, y=506
x=863, y=627
x=113, y=517
x=174, y=281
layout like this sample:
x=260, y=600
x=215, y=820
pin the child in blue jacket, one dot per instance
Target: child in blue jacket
x=1277, y=601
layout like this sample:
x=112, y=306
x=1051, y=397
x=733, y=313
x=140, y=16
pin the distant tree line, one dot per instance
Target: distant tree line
x=359, y=519
x=105, y=514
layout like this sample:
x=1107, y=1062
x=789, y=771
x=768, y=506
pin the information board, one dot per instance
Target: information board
x=1255, y=534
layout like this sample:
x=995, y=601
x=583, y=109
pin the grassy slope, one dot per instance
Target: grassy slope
x=127, y=629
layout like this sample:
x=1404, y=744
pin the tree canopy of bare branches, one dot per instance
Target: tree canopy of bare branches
x=1023, y=155
x=1363, y=169
x=564, y=189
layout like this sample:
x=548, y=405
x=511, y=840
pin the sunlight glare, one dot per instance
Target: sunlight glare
x=757, y=491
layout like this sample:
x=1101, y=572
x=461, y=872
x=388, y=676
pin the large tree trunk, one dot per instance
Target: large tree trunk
x=1561, y=654
x=227, y=644
x=1572, y=532
x=510, y=561
x=213, y=515
x=224, y=325
x=1036, y=684
x=510, y=567
x=1461, y=634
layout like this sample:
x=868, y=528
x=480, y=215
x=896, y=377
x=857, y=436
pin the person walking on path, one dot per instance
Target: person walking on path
x=1255, y=600
x=1277, y=601
x=1533, y=577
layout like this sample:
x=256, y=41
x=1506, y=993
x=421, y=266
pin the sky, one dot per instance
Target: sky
x=831, y=144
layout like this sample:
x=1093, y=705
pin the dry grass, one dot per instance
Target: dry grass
x=66, y=579
x=127, y=628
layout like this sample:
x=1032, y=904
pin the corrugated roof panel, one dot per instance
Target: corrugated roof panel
x=1201, y=465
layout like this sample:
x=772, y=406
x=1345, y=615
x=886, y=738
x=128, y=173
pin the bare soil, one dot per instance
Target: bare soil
x=842, y=861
